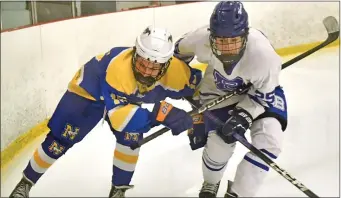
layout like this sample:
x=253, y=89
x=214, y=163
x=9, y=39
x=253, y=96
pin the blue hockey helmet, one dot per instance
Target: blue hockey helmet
x=228, y=31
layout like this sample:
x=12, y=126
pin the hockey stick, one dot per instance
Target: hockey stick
x=260, y=154
x=333, y=31
x=193, y=112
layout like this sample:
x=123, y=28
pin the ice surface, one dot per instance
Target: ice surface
x=167, y=166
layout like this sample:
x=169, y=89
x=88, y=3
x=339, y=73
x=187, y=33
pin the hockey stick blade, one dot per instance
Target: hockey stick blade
x=331, y=24
x=332, y=27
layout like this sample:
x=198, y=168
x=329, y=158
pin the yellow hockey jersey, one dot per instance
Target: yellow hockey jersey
x=110, y=78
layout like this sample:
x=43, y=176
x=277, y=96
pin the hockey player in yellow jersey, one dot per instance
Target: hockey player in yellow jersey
x=114, y=86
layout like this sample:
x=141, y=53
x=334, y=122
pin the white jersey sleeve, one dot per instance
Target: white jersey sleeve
x=194, y=43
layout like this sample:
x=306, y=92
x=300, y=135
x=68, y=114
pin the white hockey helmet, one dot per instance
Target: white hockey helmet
x=154, y=49
x=155, y=44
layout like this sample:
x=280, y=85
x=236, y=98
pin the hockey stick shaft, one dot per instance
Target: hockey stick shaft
x=273, y=165
x=260, y=154
x=332, y=28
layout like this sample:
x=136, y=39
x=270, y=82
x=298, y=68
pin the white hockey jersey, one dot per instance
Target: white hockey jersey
x=259, y=65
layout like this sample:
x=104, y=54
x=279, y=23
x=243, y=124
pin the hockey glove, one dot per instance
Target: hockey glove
x=176, y=119
x=243, y=89
x=239, y=122
x=197, y=136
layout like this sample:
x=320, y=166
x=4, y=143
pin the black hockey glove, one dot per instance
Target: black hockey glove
x=239, y=122
x=243, y=89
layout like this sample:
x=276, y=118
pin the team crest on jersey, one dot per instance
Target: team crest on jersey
x=226, y=85
x=131, y=136
x=70, y=132
x=56, y=148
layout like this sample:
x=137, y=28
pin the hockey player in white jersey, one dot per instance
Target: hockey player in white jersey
x=236, y=55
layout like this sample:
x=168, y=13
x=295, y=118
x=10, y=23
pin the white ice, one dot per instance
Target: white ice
x=167, y=166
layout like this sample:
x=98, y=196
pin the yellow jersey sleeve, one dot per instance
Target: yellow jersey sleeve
x=181, y=79
x=125, y=116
